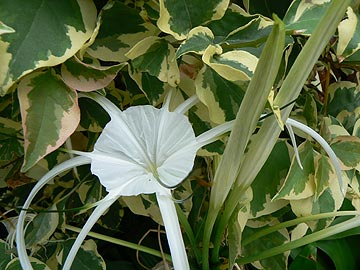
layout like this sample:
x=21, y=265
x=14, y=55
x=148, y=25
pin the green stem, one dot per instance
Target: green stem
x=189, y=232
x=330, y=231
x=295, y=222
x=120, y=242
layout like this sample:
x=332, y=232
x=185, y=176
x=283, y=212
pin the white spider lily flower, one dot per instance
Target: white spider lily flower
x=142, y=150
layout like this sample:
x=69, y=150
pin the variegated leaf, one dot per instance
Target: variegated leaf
x=151, y=86
x=84, y=76
x=347, y=149
x=49, y=112
x=42, y=227
x=156, y=57
x=251, y=35
x=324, y=173
x=35, y=263
x=268, y=180
x=113, y=42
x=10, y=137
x=87, y=258
x=235, y=17
x=299, y=183
x=303, y=16
x=349, y=36
x=179, y=17
x=234, y=65
x=275, y=239
x=330, y=200
x=343, y=95
x=197, y=41
x=222, y=97
x=46, y=34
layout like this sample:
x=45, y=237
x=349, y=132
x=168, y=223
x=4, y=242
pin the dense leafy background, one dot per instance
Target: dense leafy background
x=134, y=52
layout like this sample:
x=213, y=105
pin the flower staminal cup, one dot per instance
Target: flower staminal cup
x=142, y=150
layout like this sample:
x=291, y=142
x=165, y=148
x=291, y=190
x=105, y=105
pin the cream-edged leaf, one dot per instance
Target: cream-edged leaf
x=50, y=114
x=156, y=57
x=113, y=42
x=179, y=17
x=349, y=37
x=47, y=34
x=87, y=77
x=234, y=65
x=299, y=183
x=197, y=41
x=222, y=97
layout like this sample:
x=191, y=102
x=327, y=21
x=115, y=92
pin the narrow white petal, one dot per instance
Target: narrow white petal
x=20, y=234
x=107, y=105
x=173, y=231
x=292, y=137
x=324, y=144
x=214, y=134
x=95, y=215
x=187, y=104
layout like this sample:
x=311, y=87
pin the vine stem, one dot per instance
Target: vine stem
x=120, y=242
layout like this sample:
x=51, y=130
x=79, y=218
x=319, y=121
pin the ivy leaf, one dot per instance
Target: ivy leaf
x=235, y=65
x=88, y=77
x=156, y=57
x=324, y=173
x=222, y=97
x=197, y=41
x=347, y=149
x=179, y=17
x=50, y=114
x=349, y=37
x=42, y=227
x=299, y=183
x=303, y=16
x=46, y=34
x=35, y=263
x=272, y=173
x=113, y=42
x=87, y=257
x=272, y=240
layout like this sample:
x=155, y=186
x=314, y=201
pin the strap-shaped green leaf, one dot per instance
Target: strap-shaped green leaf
x=46, y=34
x=49, y=112
x=179, y=17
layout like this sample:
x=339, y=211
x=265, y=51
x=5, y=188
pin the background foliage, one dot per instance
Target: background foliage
x=134, y=52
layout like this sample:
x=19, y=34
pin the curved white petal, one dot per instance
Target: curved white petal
x=173, y=231
x=104, y=204
x=20, y=234
x=214, y=133
x=324, y=145
x=187, y=104
x=107, y=105
x=292, y=137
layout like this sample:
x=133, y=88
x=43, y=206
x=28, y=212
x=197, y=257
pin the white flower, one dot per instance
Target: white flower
x=142, y=150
